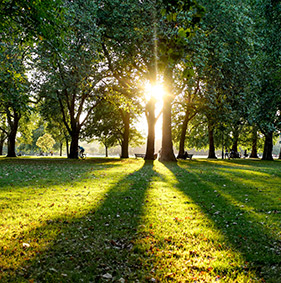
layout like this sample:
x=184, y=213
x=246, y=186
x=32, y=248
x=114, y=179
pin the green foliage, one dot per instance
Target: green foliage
x=266, y=87
x=106, y=125
x=81, y=52
x=45, y=142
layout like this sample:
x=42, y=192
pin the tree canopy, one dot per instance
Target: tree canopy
x=82, y=66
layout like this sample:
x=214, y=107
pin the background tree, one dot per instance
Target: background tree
x=45, y=142
x=3, y=135
x=107, y=126
x=264, y=111
x=14, y=88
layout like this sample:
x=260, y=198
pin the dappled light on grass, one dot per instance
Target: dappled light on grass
x=128, y=220
x=35, y=212
x=249, y=218
x=178, y=241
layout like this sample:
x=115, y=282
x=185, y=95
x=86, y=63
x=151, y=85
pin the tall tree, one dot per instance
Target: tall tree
x=3, y=135
x=265, y=111
x=153, y=44
x=14, y=96
x=107, y=126
x=177, y=25
x=72, y=68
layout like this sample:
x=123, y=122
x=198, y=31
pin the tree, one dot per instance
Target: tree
x=72, y=68
x=185, y=108
x=220, y=54
x=107, y=126
x=178, y=24
x=120, y=41
x=265, y=109
x=3, y=135
x=45, y=142
x=23, y=23
x=14, y=96
x=151, y=40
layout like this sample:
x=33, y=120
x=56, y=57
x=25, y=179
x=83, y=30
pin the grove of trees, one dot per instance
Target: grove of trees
x=80, y=68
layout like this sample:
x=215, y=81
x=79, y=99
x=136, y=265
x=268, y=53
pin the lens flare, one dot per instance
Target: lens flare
x=155, y=91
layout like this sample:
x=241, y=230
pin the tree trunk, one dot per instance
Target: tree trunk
x=235, y=139
x=151, y=121
x=12, y=143
x=212, y=153
x=279, y=154
x=268, y=145
x=67, y=147
x=254, y=151
x=167, y=152
x=73, y=154
x=13, y=125
x=60, y=148
x=106, y=151
x=183, y=134
x=125, y=141
x=2, y=139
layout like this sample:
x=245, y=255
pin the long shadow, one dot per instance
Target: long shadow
x=25, y=172
x=95, y=247
x=259, y=248
x=240, y=173
x=41, y=175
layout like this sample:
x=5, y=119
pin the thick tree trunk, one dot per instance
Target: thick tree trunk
x=167, y=152
x=254, y=151
x=279, y=154
x=2, y=140
x=73, y=154
x=13, y=125
x=268, y=145
x=151, y=121
x=183, y=134
x=13, y=122
x=125, y=141
x=12, y=143
x=212, y=153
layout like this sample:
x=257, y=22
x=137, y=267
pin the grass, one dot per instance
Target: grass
x=105, y=220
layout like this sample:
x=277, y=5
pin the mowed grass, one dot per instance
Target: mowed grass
x=112, y=220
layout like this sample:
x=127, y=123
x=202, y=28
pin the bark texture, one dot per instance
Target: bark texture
x=13, y=121
x=125, y=141
x=151, y=121
x=212, y=153
x=268, y=146
x=254, y=151
x=167, y=152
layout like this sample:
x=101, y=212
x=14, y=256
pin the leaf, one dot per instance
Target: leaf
x=107, y=276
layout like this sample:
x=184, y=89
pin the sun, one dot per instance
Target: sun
x=154, y=90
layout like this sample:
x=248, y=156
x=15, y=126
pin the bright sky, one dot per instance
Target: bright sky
x=142, y=125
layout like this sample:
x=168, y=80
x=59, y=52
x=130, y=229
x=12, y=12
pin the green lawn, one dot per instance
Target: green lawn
x=112, y=220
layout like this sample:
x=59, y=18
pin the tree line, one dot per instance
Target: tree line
x=81, y=66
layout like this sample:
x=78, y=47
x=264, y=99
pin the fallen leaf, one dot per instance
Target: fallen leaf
x=107, y=276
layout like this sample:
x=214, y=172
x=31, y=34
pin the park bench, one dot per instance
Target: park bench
x=142, y=155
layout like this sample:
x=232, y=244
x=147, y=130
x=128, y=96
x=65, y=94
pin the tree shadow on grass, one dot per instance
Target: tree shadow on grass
x=28, y=172
x=248, y=178
x=97, y=246
x=26, y=180
x=260, y=249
